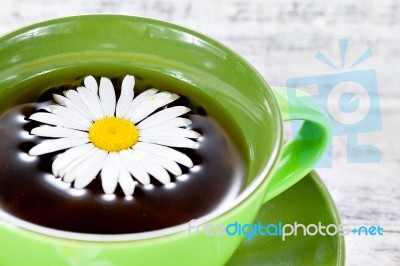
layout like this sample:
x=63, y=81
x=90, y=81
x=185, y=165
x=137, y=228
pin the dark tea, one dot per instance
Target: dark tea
x=29, y=190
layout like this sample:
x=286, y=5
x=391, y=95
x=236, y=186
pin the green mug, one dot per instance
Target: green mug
x=192, y=64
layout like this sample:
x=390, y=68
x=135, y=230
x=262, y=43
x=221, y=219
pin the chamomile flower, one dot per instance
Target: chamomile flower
x=127, y=140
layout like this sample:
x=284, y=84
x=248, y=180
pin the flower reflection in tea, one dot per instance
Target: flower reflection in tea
x=126, y=140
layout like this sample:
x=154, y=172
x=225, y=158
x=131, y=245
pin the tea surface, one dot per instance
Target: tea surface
x=30, y=192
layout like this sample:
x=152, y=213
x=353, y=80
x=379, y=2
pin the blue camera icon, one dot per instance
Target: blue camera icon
x=351, y=101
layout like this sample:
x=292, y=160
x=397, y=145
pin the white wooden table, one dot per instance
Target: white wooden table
x=281, y=39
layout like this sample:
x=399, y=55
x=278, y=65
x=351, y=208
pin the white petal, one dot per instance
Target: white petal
x=126, y=98
x=92, y=102
x=148, y=106
x=107, y=96
x=91, y=83
x=163, y=115
x=78, y=104
x=49, y=146
x=110, y=173
x=134, y=166
x=60, y=99
x=92, y=167
x=69, y=156
x=169, y=132
x=166, y=152
x=171, y=141
x=167, y=163
x=70, y=114
x=138, y=100
x=68, y=173
x=69, y=176
x=125, y=181
x=172, y=98
x=58, y=132
x=64, y=101
x=174, y=122
x=52, y=119
x=79, y=166
x=157, y=171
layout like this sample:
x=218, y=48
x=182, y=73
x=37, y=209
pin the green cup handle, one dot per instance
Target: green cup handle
x=300, y=154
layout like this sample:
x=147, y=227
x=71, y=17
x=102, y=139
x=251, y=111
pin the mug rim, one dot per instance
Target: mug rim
x=256, y=184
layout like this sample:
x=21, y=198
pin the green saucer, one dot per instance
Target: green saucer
x=307, y=202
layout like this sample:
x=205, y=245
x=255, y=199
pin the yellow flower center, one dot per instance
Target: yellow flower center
x=113, y=134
